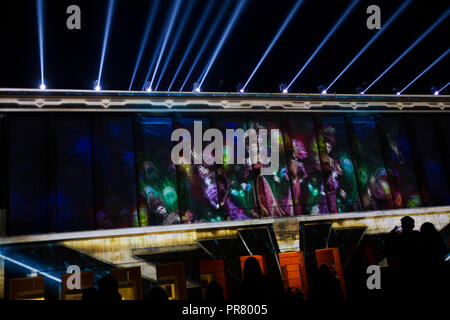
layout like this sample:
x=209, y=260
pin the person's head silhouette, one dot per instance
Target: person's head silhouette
x=407, y=224
x=428, y=228
x=252, y=269
x=214, y=292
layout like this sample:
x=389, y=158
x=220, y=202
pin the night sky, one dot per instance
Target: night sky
x=72, y=57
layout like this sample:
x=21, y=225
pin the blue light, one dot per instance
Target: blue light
x=98, y=88
x=426, y=69
x=148, y=27
x=440, y=90
x=418, y=40
x=242, y=90
x=40, y=18
x=324, y=91
x=436, y=93
x=211, y=32
x=330, y=33
x=181, y=26
x=169, y=28
x=372, y=40
x=42, y=86
x=192, y=41
x=285, y=90
x=29, y=268
x=197, y=90
x=275, y=39
x=236, y=13
x=105, y=39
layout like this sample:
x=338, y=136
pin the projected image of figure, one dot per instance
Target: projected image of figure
x=269, y=190
x=235, y=187
x=399, y=166
x=331, y=169
x=371, y=172
x=337, y=165
x=298, y=175
x=158, y=195
x=304, y=169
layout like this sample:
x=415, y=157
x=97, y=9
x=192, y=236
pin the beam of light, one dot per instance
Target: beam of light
x=152, y=63
x=176, y=38
x=173, y=15
x=148, y=27
x=211, y=32
x=192, y=41
x=105, y=38
x=328, y=36
x=40, y=21
x=426, y=69
x=372, y=40
x=236, y=13
x=431, y=28
x=440, y=90
x=29, y=268
x=287, y=20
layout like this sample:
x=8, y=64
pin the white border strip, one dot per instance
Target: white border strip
x=138, y=231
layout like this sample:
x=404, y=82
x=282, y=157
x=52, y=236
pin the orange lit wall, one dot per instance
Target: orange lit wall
x=217, y=269
x=295, y=276
x=330, y=257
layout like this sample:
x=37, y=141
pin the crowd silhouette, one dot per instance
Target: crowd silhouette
x=416, y=266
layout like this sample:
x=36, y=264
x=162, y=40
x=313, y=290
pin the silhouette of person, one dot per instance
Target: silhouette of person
x=157, y=295
x=325, y=288
x=434, y=248
x=108, y=289
x=258, y=287
x=214, y=292
x=405, y=247
x=90, y=294
x=356, y=276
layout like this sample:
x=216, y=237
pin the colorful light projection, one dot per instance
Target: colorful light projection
x=304, y=168
x=199, y=199
x=399, y=163
x=271, y=192
x=337, y=165
x=374, y=189
x=157, y=185
x=236, y=188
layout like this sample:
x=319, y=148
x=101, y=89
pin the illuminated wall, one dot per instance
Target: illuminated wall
x=83, y=172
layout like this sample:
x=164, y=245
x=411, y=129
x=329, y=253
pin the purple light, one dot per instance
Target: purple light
x=149, y=89
x=362, y=92
x=436, y=93
x=324, y=91
x=285, y=91
x=399, y=93
x=197, y=90
x=242, y=90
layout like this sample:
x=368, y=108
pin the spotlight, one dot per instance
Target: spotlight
x=242, y=90
x=97, y=88
x=197, y=90
x=398, y=93
x=149, y=89
x=42, y=86
x=402, y=8
x=324, y=91
x=436, y=93
x=285, y=90
x=362, y=92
